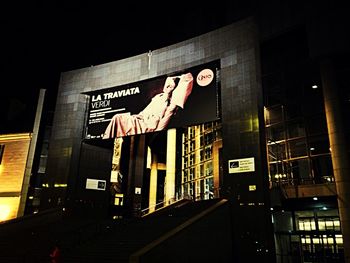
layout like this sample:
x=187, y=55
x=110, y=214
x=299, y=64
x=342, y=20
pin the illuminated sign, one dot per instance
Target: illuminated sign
x=94, y=184
x=180, y=99
x=241, y=165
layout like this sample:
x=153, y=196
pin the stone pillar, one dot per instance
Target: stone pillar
x=153, y=183
x=340, y=156
x=217, y=145
x=170, y=167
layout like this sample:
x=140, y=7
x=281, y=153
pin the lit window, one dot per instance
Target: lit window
x=192, y=158
x=339, y=239
x=5, y=211
x=192, y=145
x=208, y=152
x=321, y=225
x=307, y=224
x=192, y=132
x=192, y=173
x=336, y=225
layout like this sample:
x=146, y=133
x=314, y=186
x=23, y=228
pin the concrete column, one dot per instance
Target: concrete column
x=135, y=174
x=153, y=183
x=340, y=156
x=31, y=154
x=169, y=193
x=217, y=145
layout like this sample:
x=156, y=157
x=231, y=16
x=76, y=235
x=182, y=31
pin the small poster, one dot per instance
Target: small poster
x=241, y=165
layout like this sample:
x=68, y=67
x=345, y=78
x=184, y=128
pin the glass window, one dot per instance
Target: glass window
x=198, y=172
x=276, y=132
x=199, y=190
x=185, y=189
x=191, y=174
x=328, y=213
x=277, y=152
x=297, y=148
x=208, y=151
x=185, y=176
x=208, y=169
x=186, y=148
x=192, y=159
x=318, y=144
x=208, y=138
x=209, y=188
x=279, y=172
x=201, y=155
x=273, y=115
x=202, y=170
x=329, y=223
x=295, y=128
x=307, y=224
x=191, y=192
x=339, y=239
x=301, y=171
x=192, y=132
x=192, y=145
x=185, y=136
x=322, y=168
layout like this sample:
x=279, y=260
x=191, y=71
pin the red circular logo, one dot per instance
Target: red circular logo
x=205, y=77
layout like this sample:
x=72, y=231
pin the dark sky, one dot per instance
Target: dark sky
x=41, y=39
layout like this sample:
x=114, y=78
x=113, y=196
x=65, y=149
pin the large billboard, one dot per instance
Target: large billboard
x=181, y=99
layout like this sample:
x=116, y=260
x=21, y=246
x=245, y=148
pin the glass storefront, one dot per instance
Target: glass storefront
x=198, y=168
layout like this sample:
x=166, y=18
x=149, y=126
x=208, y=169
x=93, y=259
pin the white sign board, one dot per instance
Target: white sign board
x=96, y=184
x=241, y=165
x=114, y=176
x=138, y=190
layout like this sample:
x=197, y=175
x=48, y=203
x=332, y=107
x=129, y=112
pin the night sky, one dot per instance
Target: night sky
x=41, y=39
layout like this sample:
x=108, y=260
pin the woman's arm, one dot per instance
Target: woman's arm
x=169, y=112
x=182, y=90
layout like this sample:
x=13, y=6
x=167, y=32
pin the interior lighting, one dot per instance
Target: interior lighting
x=4, y=212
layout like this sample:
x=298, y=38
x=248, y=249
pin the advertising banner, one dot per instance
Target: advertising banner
x=181, y=99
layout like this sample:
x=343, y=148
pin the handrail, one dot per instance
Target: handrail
x=145, y=211
x=135, y=257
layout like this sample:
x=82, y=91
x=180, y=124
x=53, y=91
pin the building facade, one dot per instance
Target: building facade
x=278, y=149
x=84, y=162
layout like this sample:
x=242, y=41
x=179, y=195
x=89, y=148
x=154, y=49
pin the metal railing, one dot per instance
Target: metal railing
x=162, y=204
